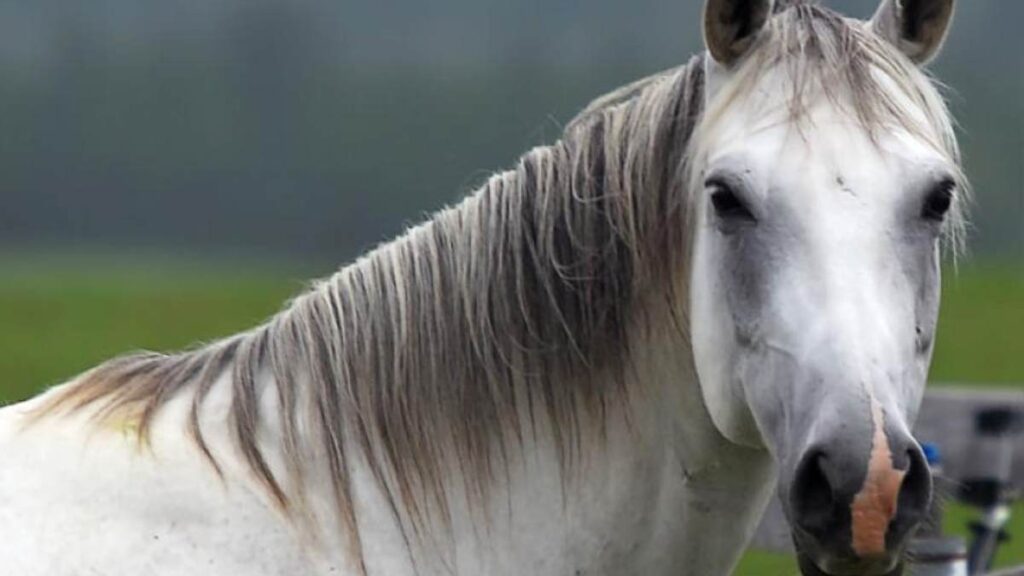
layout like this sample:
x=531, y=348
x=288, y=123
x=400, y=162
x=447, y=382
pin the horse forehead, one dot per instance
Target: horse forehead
x=818, y=137
x=827, y=152
x=828, y=165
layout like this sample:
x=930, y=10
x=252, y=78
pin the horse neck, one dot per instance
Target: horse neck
x=660, y=489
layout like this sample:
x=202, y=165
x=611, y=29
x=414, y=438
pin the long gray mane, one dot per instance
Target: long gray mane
x=461, y=335
x=508, y=311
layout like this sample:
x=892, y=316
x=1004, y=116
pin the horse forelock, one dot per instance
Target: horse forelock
x=783, y=5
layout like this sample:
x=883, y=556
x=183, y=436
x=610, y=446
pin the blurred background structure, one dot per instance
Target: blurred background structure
x=171, y=171
x=315, y=128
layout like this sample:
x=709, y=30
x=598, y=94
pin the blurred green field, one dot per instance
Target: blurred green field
x=61, y=316
x=981, y=328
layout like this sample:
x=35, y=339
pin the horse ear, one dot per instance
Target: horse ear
x=917, y=27
x=731, y=26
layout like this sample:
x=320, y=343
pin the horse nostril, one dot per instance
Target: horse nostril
x=914, y=497
x=845, y=503
x=812, y=496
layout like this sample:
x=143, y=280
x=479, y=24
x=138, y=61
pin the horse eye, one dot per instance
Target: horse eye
x=728, y=205
x=939, y=201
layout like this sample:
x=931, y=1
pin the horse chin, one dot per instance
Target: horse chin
x=809, y=567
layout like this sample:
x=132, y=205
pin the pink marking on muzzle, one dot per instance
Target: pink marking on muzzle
x=875, y=505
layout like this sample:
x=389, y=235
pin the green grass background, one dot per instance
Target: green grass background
x=60, y=316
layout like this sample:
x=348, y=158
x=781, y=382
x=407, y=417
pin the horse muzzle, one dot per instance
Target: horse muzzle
x=852, y=513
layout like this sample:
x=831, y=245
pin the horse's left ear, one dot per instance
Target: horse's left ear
x=917, y=27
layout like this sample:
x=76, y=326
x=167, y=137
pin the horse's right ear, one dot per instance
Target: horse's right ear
x=731, y=26
x=917, y=27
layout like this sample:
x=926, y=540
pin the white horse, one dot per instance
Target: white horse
x=723, y=279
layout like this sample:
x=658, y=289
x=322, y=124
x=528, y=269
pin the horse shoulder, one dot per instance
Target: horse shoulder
x=79, y=498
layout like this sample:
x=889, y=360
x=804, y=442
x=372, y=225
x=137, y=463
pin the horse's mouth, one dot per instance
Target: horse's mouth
x=846, y=567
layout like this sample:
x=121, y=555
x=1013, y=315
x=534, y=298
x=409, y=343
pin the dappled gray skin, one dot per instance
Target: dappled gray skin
x=815, y=284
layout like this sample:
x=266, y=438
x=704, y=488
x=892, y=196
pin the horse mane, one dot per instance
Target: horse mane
x=511, y=310
x=460, y=336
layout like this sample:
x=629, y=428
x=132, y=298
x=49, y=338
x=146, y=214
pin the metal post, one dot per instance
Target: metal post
x=932, y=553
x=988, y=485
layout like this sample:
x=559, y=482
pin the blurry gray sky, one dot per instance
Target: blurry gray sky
x=318, y=128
